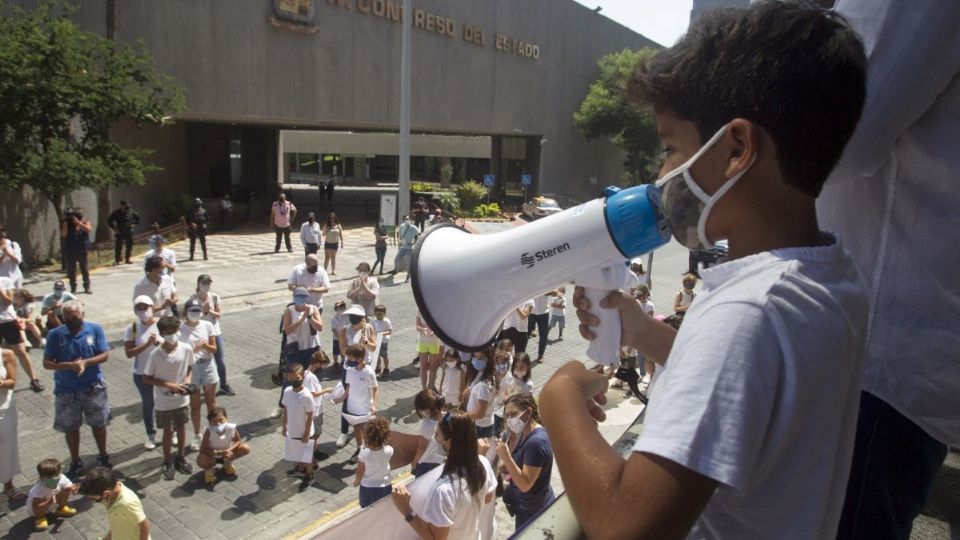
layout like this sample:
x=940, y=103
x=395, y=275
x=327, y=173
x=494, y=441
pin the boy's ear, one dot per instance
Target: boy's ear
x=741, y=142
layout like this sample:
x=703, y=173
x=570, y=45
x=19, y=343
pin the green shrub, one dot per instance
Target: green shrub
x=449, y=201
x=421, y=187
x=173, y=211
x=471, y=193
x=487, y=210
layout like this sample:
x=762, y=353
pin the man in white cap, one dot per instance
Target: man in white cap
x=311, y=276
x=52, y=304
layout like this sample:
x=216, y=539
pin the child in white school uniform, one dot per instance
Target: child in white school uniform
x=373, y=470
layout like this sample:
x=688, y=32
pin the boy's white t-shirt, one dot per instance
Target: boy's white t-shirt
x=558, y=311
x=169, y=367
x=376, y=466
x=647, y=307
x=143, y=335
x=381, y=327
x=761, y=391
x=221, y=442
x=450, y=504
x=297, y=405
x=482, y=391
x=337, y=322
x=360, y=394
x=312, y=384
x=40, y=491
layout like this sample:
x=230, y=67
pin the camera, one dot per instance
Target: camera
x=69, y=214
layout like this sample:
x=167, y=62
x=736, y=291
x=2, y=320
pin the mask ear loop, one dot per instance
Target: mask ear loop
x=702, y=223
x=683, y=169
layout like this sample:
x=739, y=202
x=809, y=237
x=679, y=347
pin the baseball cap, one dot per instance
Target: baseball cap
x=143, y=299
x=355, y=310
x=193, y=305
x=301, y=291
x=204, y=278
x=59, y=285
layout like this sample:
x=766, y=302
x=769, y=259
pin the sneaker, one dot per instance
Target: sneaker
x=210, y=476
x=66, y=511
x=40, y=524
x=226, y=390
x=229, y=468
x=195, y=444
x=103, y=460
x=182, y=465
x=76, y=470
x=166, y=471
x=354, y=457
x=305, y=483
x=276, y=413
x=36, y=385
x=385, y=373
x=150, y=443
x=341, y=440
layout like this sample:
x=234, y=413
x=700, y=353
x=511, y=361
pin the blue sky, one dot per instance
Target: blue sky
x=662, y=21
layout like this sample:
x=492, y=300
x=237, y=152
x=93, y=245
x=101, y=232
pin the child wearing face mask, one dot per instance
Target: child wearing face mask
x=139, y=339
x=373, y=470
x=382, y=325
x=318, y=361
x=169, y=368
x=430, y=407
x=198, y=334
x=298, y=406
x=50, y=493
x=362, y=391
x=452, y=383
x=481, y=402
x=519, y=379
x=124, y=509
x=501, y=367
x=337, y=325
x=212, y=311
x=221, y=446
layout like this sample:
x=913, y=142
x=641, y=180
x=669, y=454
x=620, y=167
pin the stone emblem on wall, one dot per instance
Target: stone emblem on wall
x=296, y=15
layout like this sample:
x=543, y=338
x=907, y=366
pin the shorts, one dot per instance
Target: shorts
x=317, y=422
x=88, y=406
x=173, y=418
x=336, y=348
x=558, y=319
x=429, y=348
x=10, y=333
x=331, y=245
x=204, y=372
x=384, y=349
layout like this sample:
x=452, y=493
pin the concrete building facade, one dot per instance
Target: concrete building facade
x=512, y=72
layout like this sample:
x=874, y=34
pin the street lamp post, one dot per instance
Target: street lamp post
x=403, y=197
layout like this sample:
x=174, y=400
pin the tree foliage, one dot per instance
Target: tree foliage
x=61, y=90
x=605, y=114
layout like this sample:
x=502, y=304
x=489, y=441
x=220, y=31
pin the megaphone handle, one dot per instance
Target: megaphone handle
x=605, y=347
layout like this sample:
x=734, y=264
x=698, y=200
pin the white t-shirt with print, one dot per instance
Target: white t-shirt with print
x=170, y=367
x=743, y=398
x=40, y=491
x=450, y=504
x=360, y=394
x=482, y=391
x=144, y=331
x=376, y=466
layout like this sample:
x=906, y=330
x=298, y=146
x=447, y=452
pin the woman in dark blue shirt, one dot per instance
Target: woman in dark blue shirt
x=527, y=457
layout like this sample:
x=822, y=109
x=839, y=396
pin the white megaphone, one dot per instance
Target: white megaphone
x=466, y=284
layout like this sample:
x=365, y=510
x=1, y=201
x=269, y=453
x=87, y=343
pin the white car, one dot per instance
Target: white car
x=539, y=207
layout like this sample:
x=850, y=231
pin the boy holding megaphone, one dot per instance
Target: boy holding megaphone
x=750, y=428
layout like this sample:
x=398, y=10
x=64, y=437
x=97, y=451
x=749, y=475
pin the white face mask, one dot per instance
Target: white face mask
x=517, y=424
x=451, y=365
x=686, y=205
x=204, y=287
x=364, y=275
x=194, y=316
x=145, y=314
x=171, y=339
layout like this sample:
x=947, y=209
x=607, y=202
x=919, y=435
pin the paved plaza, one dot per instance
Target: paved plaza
x=262, y=501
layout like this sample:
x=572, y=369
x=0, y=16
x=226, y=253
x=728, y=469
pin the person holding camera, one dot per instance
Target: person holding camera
x=75, y=233
x=122, y=221
x=197, y=219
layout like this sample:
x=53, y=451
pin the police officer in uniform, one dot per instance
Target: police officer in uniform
x=197, y=219
x=122, y=221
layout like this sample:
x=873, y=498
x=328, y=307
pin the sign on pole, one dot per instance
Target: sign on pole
x=388, y=208
x=526, y=179
x=489, y=180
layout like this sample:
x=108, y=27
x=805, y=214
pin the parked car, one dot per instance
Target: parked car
x=707, y=257
x=539, y=207
x=565, y=201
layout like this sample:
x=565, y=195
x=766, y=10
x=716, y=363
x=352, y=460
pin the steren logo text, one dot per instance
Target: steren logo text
x=529, y=260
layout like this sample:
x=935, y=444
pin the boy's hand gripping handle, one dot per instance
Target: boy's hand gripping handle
x=605, y=347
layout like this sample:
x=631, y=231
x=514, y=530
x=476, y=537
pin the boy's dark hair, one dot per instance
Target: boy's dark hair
x=643, y=290
x=168, y=324
x=320, y=358
x=355, y=351
x=215, y=411
x=98, y=480
x=796, y=70
x=376, y=432
x=428, y=400
x=49, y=468
x=295, y=368
x=152, y=263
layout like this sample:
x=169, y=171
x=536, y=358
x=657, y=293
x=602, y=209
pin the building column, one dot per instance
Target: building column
x=496, y=147
x=532, y=164
x=444, y=182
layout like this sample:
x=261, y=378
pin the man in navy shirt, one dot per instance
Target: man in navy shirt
x=74, y=352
